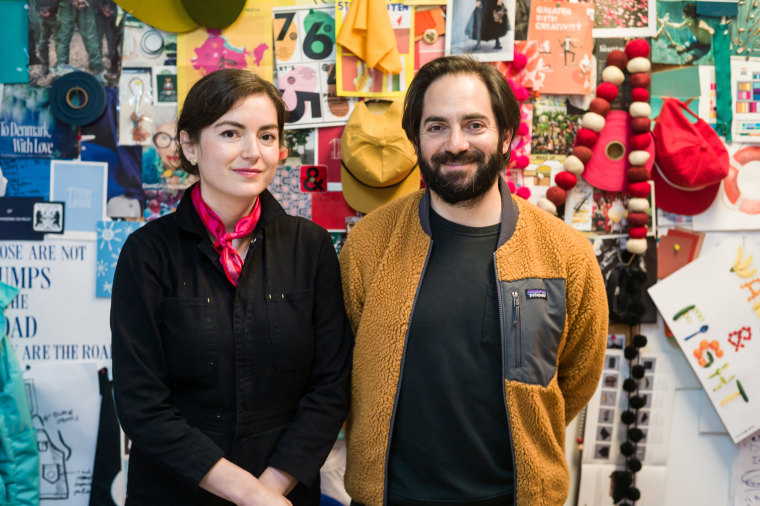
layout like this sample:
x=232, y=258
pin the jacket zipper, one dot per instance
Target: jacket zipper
x=504, y=377
x=401, y=374
x=517, y=329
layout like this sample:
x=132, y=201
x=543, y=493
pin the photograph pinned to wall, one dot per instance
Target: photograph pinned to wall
x=537, y=176
x=624, y=18
x=737, y=204
x=354, y=76
x=16, y=219
x=68, y=36
x=745, y=95
x=565, y=46
x=328, y=153
x=286, y=183
x=745, y=39
x=111, y=236
x=481, y=28
x=48, y=217
x=28, y=128
x=714, y=328
x=165, y=85
x=429, y=34
x=100, y=144
x=15, y=41
x=682, y=36
x=25, y=177
x=145, y=46
x=64, y=398
x=554, y=128
x=304, y=53
x=205, y=50
x=136, y=107
x=82, y=187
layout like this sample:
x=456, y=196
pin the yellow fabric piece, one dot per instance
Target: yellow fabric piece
x=367, y=32
x=381, y=266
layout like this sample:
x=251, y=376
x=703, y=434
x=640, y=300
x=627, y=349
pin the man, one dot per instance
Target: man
x=78, y=15
x=480, y=321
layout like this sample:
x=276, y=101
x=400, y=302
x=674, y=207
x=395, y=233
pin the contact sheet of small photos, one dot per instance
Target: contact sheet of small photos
x=604, y=430
x=304, y=53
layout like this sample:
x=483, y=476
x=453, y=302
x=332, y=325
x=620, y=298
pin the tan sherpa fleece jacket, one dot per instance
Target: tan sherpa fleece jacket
x=553, y=340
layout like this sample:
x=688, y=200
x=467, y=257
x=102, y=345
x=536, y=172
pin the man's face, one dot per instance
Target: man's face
x=460, y=148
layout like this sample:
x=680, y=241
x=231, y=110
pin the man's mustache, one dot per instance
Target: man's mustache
x=469, y=156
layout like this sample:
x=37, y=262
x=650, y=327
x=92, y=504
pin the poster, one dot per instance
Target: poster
x=82, y=187
x=715, y=327
x=682, y=37
x=737, y=204
x=356, y=79
x=111, y=238
x=48, y=320
x=624, y=18
x=563, y=32
x=483, y=29
x=245, y=44
x=28, y=128
x=65, y=404
x=26, y=177
x=304, y=49
x=745, y=97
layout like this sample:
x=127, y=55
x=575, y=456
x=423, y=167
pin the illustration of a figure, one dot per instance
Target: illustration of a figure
x=78, y=15
x=567, y=46
x=541, y=69
x=701, y=40
x=489, y=21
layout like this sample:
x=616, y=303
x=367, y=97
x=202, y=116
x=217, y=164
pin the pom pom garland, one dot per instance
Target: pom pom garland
x=640, y=95
x=638, y=64
x=640, y=125
x=574, y=165
x=583, y=153
x=586, y=137
x=547, y=205
x=600, y=106
x=640, y=141
x=638, y=157
x=556, y=196
x=565, y=180
x=593, y=121
x=640, y=190
x=617, y=58
x=612, y=74
x=607, y=91
x=636, y=174
x=638, y=205
x=640, y=110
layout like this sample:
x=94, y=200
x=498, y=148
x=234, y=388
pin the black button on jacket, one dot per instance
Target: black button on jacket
x=257, y=373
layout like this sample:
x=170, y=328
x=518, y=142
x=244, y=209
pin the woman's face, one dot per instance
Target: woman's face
x=165, y=140
x=238, y=154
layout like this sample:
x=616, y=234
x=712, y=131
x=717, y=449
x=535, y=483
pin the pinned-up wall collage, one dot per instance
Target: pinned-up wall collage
x=639, y=127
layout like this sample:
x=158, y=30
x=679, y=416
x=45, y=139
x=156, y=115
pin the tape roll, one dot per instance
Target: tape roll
x=77, y=98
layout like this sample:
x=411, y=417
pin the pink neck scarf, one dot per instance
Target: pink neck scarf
x=228, y=255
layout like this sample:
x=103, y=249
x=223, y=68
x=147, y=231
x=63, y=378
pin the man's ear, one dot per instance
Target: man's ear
x=507, y=142
x=187, y=146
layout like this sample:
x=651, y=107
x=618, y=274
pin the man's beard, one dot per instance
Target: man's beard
x=460, y=187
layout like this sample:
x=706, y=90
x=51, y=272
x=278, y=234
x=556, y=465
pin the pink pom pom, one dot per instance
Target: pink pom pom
x=522, y=94
x=519, y=61
x=523, y=129
x=522, y=161
x=523, y=192
x=511, y=186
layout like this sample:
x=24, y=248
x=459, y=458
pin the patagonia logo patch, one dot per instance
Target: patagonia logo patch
x=535, y=293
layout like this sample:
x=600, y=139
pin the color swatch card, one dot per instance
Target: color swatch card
x=745, y=92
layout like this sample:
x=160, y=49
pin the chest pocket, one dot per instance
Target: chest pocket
x=534, y=319
x=290, y=328
x=190, y=328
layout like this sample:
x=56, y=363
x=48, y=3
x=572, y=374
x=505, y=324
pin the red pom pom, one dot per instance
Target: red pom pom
x=617, y=58
x=522, y=94
x=512, y=187
x=638, y=219
x=607, y=91
x=641, y=125
x=556, y=195
x=640, y=141
x=565, y=180
x=599, y=106
x=640, y=95
x=583, y=153
x=522, y=161
x=523, y=192
x=519, y=61
x=637, y=232
x=640, y=190
x=586, y=137
x=523, y=129
x=637, y=173
x=640, y=80
x=637, y=48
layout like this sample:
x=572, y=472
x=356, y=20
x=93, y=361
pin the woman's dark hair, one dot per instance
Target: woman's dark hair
x=505, y=107
x=690, y=10
x=215, y=94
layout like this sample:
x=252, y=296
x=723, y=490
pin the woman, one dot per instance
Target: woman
x=231, y=351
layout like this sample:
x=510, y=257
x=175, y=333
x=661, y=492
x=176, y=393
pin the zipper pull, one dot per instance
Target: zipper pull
x=515, y=299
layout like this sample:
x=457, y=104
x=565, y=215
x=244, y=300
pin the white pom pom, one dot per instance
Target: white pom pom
x=574, y=164
x=636, y=246
x=593, y=121
x=638, y=157
x=638, y=64
x=638, y=205
x=612, y=74
x=640, y=110
x=547, y=205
